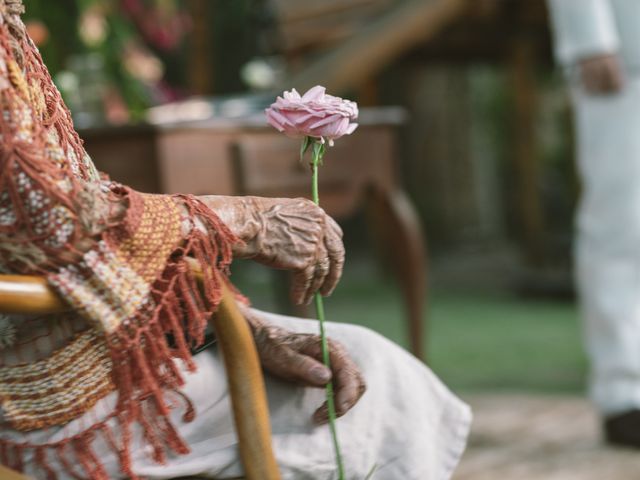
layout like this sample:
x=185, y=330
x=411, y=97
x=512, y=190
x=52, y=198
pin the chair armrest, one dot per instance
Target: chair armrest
x=7, y=474
x=247, y=390
x=32, y=295
x=29, y=295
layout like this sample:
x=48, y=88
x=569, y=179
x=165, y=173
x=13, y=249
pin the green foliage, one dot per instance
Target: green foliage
x=61, y=22
x=78, y=28
x=132, y=90
x=234, y=43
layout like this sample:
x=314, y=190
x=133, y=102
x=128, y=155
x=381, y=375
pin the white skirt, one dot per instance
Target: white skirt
x=407, y=425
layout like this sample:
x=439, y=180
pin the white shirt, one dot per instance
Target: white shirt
x=585, y=28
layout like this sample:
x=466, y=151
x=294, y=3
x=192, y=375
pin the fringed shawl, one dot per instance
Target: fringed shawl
x=117, y=256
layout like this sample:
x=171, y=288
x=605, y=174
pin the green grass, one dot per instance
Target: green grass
x=494, y=341
x=476, y=341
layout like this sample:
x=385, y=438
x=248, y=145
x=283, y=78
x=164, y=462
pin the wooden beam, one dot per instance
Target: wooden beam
x=525, y=158
x=294, y=10
x=467, y=42
x=7, y=474
x=200, y=70
x=318, y=34
x=377, y=45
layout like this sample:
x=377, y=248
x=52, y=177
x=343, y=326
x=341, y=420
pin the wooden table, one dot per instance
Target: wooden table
x=246, y=157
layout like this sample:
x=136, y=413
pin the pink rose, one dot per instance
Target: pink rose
x=315, y=114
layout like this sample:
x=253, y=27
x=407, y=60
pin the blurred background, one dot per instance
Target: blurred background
x=465, y=145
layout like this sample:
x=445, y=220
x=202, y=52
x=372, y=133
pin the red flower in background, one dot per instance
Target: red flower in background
x=38, y=32
x=163, y=27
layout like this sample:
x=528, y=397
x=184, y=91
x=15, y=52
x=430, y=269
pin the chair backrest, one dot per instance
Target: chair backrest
x=32, y=295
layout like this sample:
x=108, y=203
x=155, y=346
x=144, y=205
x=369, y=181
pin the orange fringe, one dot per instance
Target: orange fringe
x=144, y=369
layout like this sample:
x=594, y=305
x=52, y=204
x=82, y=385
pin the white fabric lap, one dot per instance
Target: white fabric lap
x=408, y=424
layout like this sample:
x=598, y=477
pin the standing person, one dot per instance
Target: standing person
x=598, y=44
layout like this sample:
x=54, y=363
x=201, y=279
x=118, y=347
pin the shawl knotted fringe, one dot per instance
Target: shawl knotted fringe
x=144, y=368
x=133, y=282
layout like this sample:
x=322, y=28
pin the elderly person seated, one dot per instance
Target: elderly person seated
x=123, y=387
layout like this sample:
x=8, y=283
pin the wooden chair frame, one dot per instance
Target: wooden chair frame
x=32, y=295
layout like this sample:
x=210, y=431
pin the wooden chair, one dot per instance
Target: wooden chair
x=32, y=295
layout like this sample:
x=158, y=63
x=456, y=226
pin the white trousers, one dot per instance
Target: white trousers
x=608, y=243
x=408, y=425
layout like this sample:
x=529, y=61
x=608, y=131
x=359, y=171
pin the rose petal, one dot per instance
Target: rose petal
x=292, y=95
x=273, y=122
x=278, y=117
x=315, y=94
x=316, y=114
x=309, y=116
x=337, y=129
x=278, y=120
x=325, y=121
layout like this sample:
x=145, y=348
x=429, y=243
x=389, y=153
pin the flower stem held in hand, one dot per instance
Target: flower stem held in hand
x=319, y=119
x=316, y=161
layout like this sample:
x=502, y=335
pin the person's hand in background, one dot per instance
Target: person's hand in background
x=602, y=74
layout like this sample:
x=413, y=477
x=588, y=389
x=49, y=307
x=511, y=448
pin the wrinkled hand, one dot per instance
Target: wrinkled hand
x=297, y=358
x=290, y=234
x=602, y=74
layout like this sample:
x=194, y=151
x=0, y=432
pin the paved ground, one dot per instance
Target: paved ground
x=523, y=437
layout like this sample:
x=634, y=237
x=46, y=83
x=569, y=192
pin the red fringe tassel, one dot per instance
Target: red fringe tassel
x=144, y=369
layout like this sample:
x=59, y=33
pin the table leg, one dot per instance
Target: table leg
x=398, y=231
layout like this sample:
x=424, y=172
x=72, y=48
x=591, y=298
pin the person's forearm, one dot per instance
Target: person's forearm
x=239, y=214
x=111, y=210
x=583, y=28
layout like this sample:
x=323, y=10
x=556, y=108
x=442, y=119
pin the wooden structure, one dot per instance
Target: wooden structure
x=31, y=295
x=7, y=474
x=345, y=44
x=342, y=44
x=247, y=157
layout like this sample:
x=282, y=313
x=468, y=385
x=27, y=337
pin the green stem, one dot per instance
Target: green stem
x=317, y=152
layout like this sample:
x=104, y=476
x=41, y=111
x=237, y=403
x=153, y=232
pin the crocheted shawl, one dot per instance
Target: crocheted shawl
x=124, y=270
